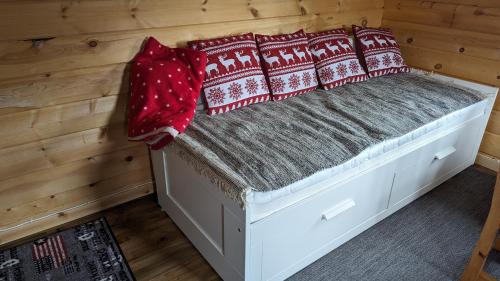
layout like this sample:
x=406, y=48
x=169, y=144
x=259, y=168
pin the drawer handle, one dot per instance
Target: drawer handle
x=338, y=209
x=445, y=153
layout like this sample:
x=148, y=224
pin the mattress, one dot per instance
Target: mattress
x=372, y=152
x=264, y=151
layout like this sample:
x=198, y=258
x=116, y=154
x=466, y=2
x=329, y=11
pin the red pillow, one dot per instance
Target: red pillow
x=335, y=59
x=234, y=77
x=379, y=51
x=288, y=64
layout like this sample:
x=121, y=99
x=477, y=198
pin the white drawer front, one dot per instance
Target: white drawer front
x=435, y=161
x=292, y=234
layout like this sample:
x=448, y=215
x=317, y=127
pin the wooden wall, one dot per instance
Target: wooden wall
x=456, y=37
x=63, y=91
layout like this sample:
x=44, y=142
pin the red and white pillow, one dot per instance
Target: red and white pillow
x=288, y=64
x=379, y=50
x=335, y=58
x=234, y=77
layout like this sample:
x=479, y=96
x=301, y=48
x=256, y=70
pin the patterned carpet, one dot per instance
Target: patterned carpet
x=86, y=252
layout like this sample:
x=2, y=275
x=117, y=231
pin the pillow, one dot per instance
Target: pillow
x=234, y=77
x=288, y=64
x=164, y=86
x=379, y=51
x=335, y=59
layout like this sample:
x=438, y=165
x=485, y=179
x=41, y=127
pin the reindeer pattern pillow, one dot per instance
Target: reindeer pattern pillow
x=335, y=59
x=288, y=64
x=379, y=51
x=234, y=77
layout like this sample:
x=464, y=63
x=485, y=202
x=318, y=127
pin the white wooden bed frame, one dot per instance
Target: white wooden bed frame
x=274, y=240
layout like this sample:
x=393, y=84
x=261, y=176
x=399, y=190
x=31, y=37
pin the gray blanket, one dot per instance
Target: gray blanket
x=268, y=146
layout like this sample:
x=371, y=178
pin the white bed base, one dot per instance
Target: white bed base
x=274, y=240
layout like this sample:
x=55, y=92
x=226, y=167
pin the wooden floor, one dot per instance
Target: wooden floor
x=153, y=245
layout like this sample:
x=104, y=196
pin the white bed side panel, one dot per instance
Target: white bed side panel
x=214, y=225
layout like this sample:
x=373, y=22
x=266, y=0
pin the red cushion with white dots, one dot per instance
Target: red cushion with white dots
x=234, y=77
x=335, y=58
x=288, y=64
x=379, y=51
x=164, y=86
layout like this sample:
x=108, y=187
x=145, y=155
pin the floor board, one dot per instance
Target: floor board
x=153, y=245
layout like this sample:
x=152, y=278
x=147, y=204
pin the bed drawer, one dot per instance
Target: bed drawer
x=435, y=162
x=292, y=234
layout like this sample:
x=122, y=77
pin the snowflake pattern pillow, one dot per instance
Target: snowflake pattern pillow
x=288, y=64
x=234, y=77
x=335, y=58
x=379, y=51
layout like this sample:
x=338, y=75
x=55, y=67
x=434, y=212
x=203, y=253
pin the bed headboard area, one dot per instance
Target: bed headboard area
x=64, y=88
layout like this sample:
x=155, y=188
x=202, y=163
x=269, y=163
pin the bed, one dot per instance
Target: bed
x=266, y=190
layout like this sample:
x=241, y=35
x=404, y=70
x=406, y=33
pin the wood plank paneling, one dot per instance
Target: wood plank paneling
x=480, y=70
x=53, y=220
x=479, y=3
x=64, y=88
x=480, y=45
x=33, y=125
x=455, y=37
x=62, y=200
x=494, y=124
x=491, y=144
x=53, y=152
x=321, y=7
x=425, y=12
x=35, y=19
x=478, y=19
x=459, y=16
x=21, y=58
x=85, y=172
